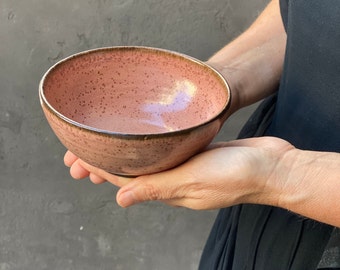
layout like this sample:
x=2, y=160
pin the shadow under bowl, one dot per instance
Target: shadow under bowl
x=134, y=110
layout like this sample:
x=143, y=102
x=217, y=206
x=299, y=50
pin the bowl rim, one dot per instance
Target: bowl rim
x=44, y=102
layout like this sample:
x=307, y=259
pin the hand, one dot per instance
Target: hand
x=241, y=171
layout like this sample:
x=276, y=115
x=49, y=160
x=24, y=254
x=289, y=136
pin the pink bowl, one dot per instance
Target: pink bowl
x=134, y=110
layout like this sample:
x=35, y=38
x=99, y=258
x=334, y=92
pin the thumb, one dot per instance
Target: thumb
x=160, y=186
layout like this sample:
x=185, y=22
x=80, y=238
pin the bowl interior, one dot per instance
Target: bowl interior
x=135, y=91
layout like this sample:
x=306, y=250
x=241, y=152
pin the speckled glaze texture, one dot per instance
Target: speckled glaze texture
x=134, y=110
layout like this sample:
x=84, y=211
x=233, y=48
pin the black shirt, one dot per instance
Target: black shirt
x=305, y=112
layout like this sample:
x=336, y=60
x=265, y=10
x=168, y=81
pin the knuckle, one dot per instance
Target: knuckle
x=152, y=193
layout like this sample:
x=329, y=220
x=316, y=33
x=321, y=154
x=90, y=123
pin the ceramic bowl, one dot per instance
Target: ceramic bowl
x=134, y=110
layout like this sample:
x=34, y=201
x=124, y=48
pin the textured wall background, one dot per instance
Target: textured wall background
x=47, y=220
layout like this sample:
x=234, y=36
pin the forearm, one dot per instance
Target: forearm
x=252, y=63
x=310, y=185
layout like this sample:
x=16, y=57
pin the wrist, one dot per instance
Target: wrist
x=273, y=174
x=253, y=74
x=299, y=175
x=229, y=74
x=285, y=184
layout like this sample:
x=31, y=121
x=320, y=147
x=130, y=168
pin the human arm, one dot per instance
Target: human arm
x=265, y=170
x=252, y=63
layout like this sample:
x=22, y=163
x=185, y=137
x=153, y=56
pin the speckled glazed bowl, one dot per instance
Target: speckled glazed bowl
x=134, y=110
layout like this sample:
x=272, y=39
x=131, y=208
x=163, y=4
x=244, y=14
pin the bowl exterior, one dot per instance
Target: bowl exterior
x=131, y=155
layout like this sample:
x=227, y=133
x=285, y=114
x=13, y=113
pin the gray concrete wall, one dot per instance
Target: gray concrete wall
x=47, y=220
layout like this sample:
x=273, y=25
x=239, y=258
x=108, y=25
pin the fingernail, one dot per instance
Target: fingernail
x=126, y=199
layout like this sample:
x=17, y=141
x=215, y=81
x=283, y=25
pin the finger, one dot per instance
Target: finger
x=69, y=158
x=95, y=179
x=77, y=171
x=113, y=179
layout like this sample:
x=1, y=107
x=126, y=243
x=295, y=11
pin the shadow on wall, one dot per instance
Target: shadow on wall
x=49, y=221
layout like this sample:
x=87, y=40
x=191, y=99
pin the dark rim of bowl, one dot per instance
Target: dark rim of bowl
x=143, y=136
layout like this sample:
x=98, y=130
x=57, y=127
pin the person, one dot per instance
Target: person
x=278, y=185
